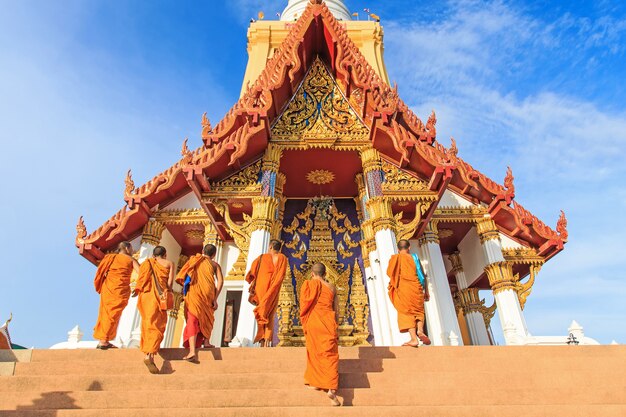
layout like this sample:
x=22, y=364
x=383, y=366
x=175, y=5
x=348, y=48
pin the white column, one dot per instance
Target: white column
x=387, y=246
x=370, y=282
x=246, y=325
x=471, y=304
x=500, y=275
x=129, y=330
x=447, y=331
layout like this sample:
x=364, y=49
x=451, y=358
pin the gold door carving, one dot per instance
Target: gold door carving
x=320, y=218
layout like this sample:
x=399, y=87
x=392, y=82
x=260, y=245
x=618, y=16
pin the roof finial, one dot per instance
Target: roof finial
x=453, y=151
x=186, y=153
x=130, y=184
x=207, y=130
x=81, y=230
x=508, y=181
x=561, y=226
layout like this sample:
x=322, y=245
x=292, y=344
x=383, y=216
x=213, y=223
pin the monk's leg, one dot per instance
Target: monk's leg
x=420, y=332
x=192, y=348
x=332, y=394
x=414, y=341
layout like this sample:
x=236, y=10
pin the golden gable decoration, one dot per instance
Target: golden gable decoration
x=319, y=110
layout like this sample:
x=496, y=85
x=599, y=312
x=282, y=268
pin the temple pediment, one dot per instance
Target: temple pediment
x=319, y=112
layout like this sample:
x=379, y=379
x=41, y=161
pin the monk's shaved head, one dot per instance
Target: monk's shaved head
x=276, y=245
x=403, y=244
x=209, y=250
x=125, y=245
x=159, y=252
x=319, y=270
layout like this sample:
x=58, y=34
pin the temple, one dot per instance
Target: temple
x=321, y=152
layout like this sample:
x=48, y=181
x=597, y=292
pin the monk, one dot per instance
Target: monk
x=265, y=278
x=198, y=277
x=112, y=282
x=408, y=294
x=318, y=313
x=156, y=275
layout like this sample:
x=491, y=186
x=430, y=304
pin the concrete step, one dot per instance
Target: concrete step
x=610, y=410
x=492, y=353
x=261, y=397
x=292, y=380
x=280, y=365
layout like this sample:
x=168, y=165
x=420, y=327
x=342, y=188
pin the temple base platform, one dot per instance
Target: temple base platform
x=375, y=381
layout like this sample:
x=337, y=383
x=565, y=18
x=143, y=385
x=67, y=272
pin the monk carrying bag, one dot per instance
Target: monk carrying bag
x=166, y=298
x=252, y=298
x=420, y=272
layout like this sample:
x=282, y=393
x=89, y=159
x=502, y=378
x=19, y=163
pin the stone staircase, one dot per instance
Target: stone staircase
x=429, y=381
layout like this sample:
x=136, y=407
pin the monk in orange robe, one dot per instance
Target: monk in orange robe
x=265, y=278
x=198, y=277
x=156, y=275
x=318, y=307
x=112, y=282
x=407, y=293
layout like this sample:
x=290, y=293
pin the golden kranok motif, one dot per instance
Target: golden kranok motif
x=319, y=110
x=320, y=177
x=352, y=299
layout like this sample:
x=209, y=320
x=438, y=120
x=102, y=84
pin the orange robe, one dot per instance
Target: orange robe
x=153, y=320
x=320, y=332
x=199, y=299
x=112, y=282
x=405, y=291
x=268, y=283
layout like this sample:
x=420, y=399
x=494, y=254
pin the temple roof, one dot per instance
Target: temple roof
x=394, y=130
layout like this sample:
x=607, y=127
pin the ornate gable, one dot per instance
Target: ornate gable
x=319, y=111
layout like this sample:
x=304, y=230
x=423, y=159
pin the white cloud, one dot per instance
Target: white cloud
x=473, y=66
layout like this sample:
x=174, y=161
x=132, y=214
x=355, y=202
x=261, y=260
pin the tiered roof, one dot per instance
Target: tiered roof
x=244, y=132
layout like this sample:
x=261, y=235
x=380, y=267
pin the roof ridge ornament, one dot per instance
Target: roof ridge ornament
x=81, y=231
x=207, y=130
x=561, y=227
x=130, y=184
x=509, y=185
x=187, y=155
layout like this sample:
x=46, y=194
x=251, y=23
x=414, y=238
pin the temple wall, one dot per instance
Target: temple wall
x=230, y=253
x=188, y=201
x=509, y=243
x=472, y=256
x=450, y=199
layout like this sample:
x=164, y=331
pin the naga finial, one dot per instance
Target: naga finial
x=508, y=181
x=207, y=130
x=81, y=230
x=186, y=153
x=453, y=150
x=561, y=226
x=130, y=184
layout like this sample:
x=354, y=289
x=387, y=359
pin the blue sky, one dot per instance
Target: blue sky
x=89, y=89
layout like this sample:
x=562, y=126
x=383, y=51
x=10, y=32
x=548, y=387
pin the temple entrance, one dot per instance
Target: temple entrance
x=324, y=230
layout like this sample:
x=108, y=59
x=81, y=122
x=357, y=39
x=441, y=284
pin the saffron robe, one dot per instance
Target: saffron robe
x=405, y=291
x=320, y=332
x=267, y=289
x=112, y=282
x=153, y=320
x=199, y=311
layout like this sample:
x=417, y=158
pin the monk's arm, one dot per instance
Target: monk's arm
x=219, y=285
x=336, y=304
x=135, y=265
x=426, y=293
x=170, y=281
